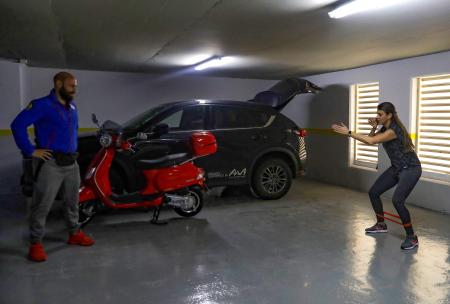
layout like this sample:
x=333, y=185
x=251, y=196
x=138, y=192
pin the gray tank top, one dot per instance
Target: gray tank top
x=400, y=158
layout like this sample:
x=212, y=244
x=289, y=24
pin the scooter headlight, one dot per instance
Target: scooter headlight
x=105, y=140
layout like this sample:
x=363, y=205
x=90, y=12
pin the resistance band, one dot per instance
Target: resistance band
x=396, y=216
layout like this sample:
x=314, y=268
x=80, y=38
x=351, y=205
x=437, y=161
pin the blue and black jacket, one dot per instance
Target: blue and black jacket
x=55, y=126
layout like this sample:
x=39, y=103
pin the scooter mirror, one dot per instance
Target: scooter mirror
x=94, y=118
x=141, y=136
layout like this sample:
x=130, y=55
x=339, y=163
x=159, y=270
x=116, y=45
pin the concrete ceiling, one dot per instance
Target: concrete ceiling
x=268, y=39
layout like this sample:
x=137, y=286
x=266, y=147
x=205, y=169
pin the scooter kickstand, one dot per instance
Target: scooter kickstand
x=155, y=220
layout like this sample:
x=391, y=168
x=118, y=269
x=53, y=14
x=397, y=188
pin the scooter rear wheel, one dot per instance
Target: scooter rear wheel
x=197, y=194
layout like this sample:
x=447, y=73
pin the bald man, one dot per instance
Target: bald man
x=55, y=121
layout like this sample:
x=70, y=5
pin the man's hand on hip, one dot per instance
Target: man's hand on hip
x=42, y=154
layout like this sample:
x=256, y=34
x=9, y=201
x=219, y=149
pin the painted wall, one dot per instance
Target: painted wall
x=328, y=154
x=116, y=96
x=120, y=96
x=10, y=91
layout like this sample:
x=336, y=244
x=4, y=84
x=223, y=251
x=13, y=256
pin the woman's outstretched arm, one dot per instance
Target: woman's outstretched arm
x=370, y=140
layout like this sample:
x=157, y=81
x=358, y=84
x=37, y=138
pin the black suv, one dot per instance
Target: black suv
x=257, y=145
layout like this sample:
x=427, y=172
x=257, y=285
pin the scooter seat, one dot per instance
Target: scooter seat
x=165, y=161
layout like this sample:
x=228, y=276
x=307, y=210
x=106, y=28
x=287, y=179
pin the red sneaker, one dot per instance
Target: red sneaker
x=81, y=239
x=37, y=252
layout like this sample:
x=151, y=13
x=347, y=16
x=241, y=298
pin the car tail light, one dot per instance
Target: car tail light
x=301, y=132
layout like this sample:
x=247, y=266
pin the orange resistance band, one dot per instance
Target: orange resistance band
x=396, y=216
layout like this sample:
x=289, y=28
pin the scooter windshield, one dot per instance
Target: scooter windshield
x=111, y=126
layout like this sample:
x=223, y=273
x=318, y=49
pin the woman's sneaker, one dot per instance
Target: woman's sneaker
x=377, y=228
x=410, y=242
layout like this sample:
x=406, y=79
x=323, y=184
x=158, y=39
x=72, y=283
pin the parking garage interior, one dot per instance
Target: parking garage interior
x=308, y=246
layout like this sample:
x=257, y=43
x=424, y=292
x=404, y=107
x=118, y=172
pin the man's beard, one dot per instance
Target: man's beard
x=65, y=95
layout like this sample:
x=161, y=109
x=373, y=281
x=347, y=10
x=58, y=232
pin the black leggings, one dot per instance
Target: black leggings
x=405, y=181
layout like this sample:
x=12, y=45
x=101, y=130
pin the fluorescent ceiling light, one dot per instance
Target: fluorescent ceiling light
x=215, y=62
x=357, y=6
x=195, y=59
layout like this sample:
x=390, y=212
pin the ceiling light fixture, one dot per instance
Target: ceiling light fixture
x=214, y=62
x=190, y=60
x=357, y=6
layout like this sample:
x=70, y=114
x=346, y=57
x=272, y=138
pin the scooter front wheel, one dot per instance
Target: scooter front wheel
x=86, y=212
x=196, y=194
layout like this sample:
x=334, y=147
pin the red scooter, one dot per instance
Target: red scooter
x=172, y=179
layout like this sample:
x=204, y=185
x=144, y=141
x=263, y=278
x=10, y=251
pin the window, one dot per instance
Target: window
x=432, y=125
x=173, y=120
x=237, y=117
x=142, y=119
x=363, y=105
x=187, y=119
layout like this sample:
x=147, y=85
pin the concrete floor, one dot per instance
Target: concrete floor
x=309, y=247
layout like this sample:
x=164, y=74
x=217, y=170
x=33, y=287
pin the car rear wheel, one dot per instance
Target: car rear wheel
x=272, y=178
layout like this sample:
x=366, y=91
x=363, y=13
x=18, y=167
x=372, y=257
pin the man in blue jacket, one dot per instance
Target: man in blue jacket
x=55, y=121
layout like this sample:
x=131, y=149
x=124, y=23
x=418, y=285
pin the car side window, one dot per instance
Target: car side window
x=229, y=117
x=189, y=118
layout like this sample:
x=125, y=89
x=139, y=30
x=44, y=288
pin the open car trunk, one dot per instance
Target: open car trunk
x=284, y=91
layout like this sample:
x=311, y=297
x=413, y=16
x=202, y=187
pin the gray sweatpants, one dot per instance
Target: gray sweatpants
x=50, y=179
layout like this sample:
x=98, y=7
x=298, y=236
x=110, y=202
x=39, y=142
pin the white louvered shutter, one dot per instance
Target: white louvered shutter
x=433, y=124
x=366, y=99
